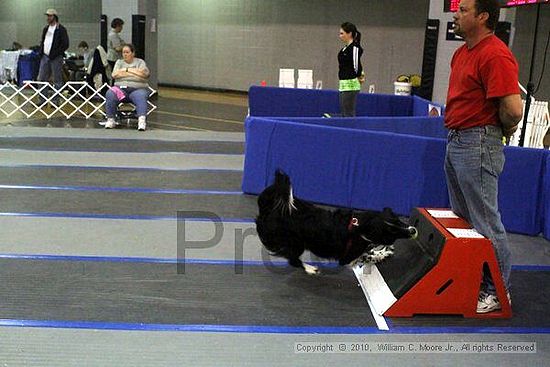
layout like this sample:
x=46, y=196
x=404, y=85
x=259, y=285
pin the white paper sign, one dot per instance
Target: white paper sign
x=442, y=214
x=465, y=233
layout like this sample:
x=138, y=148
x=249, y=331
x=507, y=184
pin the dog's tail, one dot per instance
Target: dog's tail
x=283, y=188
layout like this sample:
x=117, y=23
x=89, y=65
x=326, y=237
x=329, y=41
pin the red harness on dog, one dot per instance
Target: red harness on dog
x=354, y=222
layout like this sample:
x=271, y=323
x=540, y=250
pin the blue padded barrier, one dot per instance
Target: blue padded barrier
x=546, y=197
x=367, y=163
x=371, y=169
x=383, y=105
x=269, y=101
x=289, y=102
x=421, y=106
x=521, y=190
x=432, y=127
x=346, y=167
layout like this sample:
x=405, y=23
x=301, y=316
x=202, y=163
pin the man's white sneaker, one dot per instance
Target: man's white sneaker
x=489, y=302
x=142, y=125
x=110, y=123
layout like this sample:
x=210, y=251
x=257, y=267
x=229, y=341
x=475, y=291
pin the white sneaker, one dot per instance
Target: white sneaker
x=142, y=125
x=489, y=302
x=110, y=123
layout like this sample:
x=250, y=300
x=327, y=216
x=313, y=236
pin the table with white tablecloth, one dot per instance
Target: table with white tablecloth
x=8, y=65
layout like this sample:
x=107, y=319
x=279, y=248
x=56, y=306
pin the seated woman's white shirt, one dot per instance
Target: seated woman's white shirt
x=131, y=81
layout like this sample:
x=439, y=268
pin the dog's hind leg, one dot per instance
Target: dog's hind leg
x=311, y=270
x=297, y=263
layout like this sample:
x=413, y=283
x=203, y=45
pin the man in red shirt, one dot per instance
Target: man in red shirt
x=483, y=105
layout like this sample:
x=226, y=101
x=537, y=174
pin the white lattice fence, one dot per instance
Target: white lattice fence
x=73, y=99
x=538, y=123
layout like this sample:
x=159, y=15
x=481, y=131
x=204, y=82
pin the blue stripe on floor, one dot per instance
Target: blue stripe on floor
x=464, y=329
x=116, y=259
x=118, y=168
x=98, y=150
x=123, y=217
x=160, y=260
x=118, y=139
x=189, y=328
x=252, y=329
x=469, y=330
x=123, y=189
x=531, y=267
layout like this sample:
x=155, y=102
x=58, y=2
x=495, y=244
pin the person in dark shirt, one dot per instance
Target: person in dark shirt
x=350, y=70
x=54, y=43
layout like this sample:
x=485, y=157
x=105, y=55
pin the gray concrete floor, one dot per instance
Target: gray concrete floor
x=193, y=118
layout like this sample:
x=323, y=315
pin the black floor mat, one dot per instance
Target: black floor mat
x=530, y=305
x=113, y=177
x=156, y=293
x=121, y=145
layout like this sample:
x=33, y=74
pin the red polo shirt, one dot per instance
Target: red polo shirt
x=479, y=76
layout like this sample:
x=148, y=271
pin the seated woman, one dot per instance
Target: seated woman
x=130, y=75
x=84, y=51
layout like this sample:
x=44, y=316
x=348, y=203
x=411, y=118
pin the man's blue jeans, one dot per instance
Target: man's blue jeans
x=50, y=68
x=473, y=164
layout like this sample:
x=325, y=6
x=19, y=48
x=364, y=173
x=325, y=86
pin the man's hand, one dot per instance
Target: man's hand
x=510, y=111
x=508, y=132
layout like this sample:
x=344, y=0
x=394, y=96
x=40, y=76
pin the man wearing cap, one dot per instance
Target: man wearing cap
x=54, y=43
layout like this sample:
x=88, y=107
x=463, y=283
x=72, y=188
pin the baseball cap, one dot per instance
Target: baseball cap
x=51, y=12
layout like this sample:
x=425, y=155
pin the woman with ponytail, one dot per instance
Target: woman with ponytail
x=350, y=71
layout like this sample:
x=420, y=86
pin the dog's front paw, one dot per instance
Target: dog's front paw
x=311, y=270
x=360, y=261
x=379, y=253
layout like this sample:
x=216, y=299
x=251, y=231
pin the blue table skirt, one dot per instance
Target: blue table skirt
x=290, y=102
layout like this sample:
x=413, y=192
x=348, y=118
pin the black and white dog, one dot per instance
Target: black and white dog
x=287, y=226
